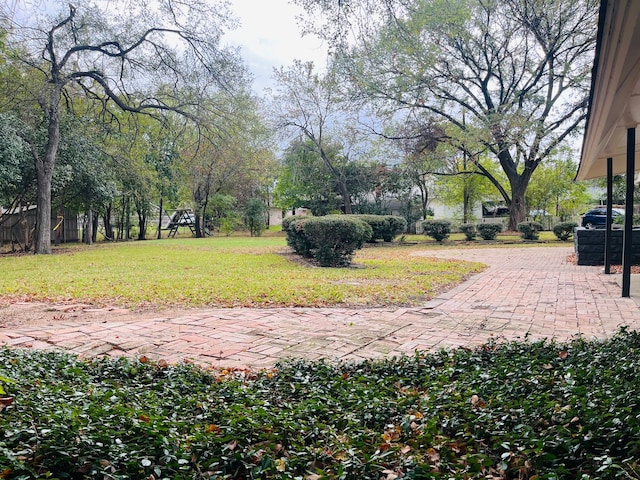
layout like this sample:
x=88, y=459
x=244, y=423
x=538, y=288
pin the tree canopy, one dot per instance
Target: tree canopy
x=139, y=57
x=511, y=77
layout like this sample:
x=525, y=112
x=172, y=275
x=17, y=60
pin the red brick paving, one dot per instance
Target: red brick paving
x=526, y=292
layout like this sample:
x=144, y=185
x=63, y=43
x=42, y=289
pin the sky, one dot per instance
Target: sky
x=269, y=38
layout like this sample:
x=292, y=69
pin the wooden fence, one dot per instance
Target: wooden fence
x=17, y=226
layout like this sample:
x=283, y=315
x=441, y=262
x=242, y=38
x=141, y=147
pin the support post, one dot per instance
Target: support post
x=607, y=233
x=628, y=213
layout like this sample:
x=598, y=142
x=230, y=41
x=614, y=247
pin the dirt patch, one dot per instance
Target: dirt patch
x=25, y=314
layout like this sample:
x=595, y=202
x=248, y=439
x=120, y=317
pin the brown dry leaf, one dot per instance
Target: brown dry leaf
x=163, y=363
x=433, y=456
x=563, y=354
x=406, y=449
x=383, y=447
x=143, y=359
x=211, y=428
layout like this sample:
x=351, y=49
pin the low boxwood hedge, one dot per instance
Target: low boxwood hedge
x=439, y=230
x=384, y=227
x=331, y=240
x=470, y=231
x=530, y=230
x=489, y=231
x=564, y=230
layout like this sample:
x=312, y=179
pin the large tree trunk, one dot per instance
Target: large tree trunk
x=346, y=198
x=87, y=234
x=517, y=207
x=518, y=181
x=424, y=200
x=108, y=228
x=94, y=229
x=142, y=224
x=44, y=174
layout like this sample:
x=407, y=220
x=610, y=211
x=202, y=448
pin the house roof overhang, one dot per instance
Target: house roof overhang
x=614, y=104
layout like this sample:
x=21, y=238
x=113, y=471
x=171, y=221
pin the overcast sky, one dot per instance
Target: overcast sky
x=269, y=37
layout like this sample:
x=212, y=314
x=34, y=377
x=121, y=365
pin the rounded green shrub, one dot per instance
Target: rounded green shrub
x=397, y=225
x=335, y=238
x=564, y=230
x=470, y=231
x=529, y=230
x=385, y=227
x=296, y=239
x=489, y=231
x=439, y=230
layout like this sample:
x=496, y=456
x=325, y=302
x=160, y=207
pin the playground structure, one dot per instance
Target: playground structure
x=184, y=217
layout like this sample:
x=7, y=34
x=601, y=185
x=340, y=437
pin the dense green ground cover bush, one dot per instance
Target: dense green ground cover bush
x=515, y=410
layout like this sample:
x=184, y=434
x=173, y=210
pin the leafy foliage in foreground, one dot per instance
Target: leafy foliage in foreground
x=513, y=410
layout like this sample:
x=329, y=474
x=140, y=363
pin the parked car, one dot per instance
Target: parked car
x=597, y=217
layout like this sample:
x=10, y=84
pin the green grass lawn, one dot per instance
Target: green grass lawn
x=225, y=271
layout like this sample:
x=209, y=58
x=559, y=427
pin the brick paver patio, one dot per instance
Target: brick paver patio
x=526, y=291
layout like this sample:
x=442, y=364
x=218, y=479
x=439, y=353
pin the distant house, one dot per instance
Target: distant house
x=276, y=216
x=17, y=226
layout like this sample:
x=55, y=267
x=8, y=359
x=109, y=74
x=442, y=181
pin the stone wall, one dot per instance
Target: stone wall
x=589, y=246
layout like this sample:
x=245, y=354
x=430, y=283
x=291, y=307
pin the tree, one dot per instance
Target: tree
x=553, y=191
x=235, y=158
x=16, y=170
x=304, y=180
x=309, y=104
x=425, y=154
x=254, y=216
x=518, y=69
x=464, y=185
x=83, y=179
x=134, y=56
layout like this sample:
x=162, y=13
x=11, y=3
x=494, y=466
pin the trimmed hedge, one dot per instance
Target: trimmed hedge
x=397, y=225
x=385, y=227
x=470, y=231
x=293, y=227
x=530, y=230
x=439, y=230
x=489, y=231
x=563, y=231
x=331, y=240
